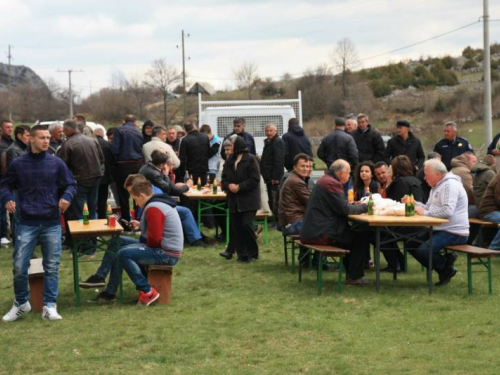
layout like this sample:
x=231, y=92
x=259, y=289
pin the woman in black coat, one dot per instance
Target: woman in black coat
x=364, y=177
x=403, y=183
x=241, y=182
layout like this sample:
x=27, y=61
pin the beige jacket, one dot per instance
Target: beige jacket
x=460, y=168
x=157, y=143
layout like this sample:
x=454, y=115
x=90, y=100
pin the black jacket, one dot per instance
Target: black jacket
x=127, y=143
x=247, y=176
x=405, y=185
x=450, y=149
x=296, y=142
x=273, y=159
x=370, y=144
x=327, y=211
x=194, y=153
x=426, y=189
x=107, y=177
x=338, y=145
x=249, y=141
x=15, y=150
x=162, y=182
x=412, y=148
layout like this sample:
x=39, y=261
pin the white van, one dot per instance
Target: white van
x=257, y=113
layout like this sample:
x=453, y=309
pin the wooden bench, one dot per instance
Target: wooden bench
x=480, y=254
x=35, y=275
x=160, y=277
x=261, y=218
x=482, y=224
x=324, y=251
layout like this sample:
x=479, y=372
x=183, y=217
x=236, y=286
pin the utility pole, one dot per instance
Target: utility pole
x=9, y=56
x=488, y=126
x=184, y=94
x=70, y=94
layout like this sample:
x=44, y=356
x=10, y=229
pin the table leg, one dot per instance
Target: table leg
x=199, y=214
x=490, y=287
x=76, y=276
x=377, y=258
x=320, y=273
x=429, y=270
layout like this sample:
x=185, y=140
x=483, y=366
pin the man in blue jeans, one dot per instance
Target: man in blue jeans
x=490, y=208
x=447, y=200
x=161, y=242
x=45, y=188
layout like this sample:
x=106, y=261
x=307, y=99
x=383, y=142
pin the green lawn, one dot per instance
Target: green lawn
x=227, y=317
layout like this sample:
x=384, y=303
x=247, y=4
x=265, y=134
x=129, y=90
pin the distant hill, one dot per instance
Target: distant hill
x=21, y=75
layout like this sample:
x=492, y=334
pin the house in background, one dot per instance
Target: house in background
x=201, y=88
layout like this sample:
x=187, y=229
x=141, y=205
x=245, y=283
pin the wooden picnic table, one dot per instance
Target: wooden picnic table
x=82, y=233
x=388, y=223
x=208, y=201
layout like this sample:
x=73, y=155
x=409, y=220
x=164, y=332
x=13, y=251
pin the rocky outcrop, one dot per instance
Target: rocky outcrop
x=21, y=75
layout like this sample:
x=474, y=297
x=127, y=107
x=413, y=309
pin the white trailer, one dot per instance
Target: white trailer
x=257, y=113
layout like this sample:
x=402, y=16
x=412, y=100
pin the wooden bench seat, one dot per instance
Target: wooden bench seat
x=35, y=275
x=483, y=223
x=479, y=253
x=330, y=251
x=160, y=277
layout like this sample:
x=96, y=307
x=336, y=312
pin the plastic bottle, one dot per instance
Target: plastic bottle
x=407, y=206
x=109, y=213
x=350, y=195
x=86, y=214
x=214, y=187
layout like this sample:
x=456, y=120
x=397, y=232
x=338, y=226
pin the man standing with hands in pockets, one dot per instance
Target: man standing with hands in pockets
x=45, y=189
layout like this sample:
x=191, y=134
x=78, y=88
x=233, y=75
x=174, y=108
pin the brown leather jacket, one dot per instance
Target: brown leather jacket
x=293, y=200
x=491, y=197
x=83, y=156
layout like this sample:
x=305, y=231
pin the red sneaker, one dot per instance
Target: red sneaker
x=148, y=298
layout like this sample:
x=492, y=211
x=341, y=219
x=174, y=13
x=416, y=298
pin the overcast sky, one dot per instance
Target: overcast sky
x=104, y=38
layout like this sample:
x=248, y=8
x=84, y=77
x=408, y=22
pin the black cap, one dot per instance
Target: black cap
x=403, y=123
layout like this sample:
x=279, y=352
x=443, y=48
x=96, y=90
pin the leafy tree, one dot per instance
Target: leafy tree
x=448, y=62
x=469, y=64
x=468, y=52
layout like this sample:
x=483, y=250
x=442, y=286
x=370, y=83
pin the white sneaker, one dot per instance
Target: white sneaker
x=50, y=313
x=16, y=312
x=4, y=241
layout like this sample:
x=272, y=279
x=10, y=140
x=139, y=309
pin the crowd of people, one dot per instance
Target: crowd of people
x=58, y=170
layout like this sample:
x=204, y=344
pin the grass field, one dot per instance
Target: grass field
x=231, y=318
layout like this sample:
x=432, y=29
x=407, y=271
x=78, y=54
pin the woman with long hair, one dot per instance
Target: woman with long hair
x=364, y=178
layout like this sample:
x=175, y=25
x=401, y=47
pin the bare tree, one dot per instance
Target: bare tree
x=246, y=77
x=139, y=91
x=345, y=59
x=162, y=78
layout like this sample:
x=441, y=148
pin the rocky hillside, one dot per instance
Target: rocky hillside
x=21, y=75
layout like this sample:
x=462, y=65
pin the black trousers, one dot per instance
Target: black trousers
x=243, y=234
x=122, y=171
x=102, y=201
x=273, y=198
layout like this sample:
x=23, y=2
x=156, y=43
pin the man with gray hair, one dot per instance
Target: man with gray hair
x=338, y=145
x=56, y=137
x=447, y=200
x=326, y=223
x=158, y=141
x=451, y=145
x=350, y=125
x=272, y=165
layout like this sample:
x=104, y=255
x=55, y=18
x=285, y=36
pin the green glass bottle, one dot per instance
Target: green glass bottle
x=198, y=184
x=214, y=187
x=370, y=205
x=407, y=206
x=86, y=215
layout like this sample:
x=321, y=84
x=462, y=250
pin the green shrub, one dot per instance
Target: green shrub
x=380, y=88
x=471, y=63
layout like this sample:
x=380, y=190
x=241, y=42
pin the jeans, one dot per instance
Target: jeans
x=132, y=257
x=440, y=239
x=110, y=256
x=188, y=224
x=494, y=217
x=28, y=237
x=294, y=228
